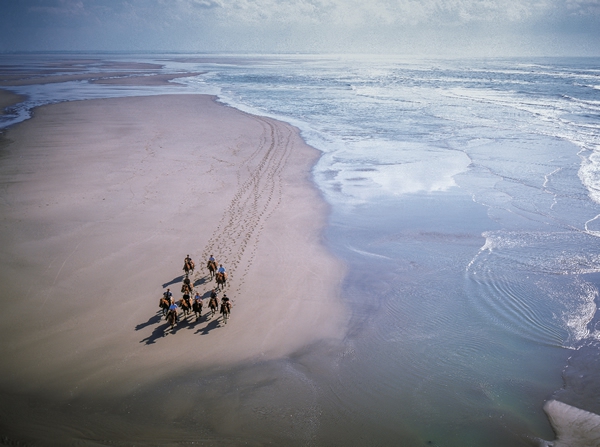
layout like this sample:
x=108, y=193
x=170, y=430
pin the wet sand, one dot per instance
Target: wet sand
x=8, y=99
x=101, y=202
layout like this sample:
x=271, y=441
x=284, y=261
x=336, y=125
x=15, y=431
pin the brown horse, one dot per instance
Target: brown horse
x=186, y=288
x=213, y=305
x=197, y=308
x=221, y=279
x=172, y=317
x=188, y=266
x=186, y=306
x=212, y=268
x=164, y=305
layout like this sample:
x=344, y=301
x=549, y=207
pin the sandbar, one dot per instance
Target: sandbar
x=102, y=200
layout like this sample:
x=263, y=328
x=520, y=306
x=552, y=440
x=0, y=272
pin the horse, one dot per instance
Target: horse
x=221, y=279
x=197, y=308
x=225, y=311
x=164, y=305
x=185, y=306
x=188, y=266
x=213, y=305
x=172, y=317
x=212, y=268
x=186, y=288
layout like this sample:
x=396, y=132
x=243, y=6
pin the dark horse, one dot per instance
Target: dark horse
x=164, y=305
x=225, y=310
x=186, y=287
x=212, y=268
x=221, y=279
x=213, y=305
x=197, y=308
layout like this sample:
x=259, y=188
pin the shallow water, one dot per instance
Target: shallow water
x=464, y=201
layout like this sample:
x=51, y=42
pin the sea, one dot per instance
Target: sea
x=465, y=201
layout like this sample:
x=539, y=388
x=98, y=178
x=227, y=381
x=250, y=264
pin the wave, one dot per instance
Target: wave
x=532, y=283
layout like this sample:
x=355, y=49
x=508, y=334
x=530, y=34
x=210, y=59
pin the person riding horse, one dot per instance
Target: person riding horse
x=173, y=312
x=221, y=271
x=225, y=304
x=164, y=304
x=187, y=299
x=213, y=304
x=225, y=308
x=186, y=286
x=197, y=306
x=211, y=265
x=188, y=264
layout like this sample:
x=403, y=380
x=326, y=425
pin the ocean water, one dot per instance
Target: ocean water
x=465, y=200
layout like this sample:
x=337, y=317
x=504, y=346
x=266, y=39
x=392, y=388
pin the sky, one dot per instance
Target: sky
x=492, y=28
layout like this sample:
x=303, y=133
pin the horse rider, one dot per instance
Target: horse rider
x=221, y=269
x=187, y=286
x=213, y=294
x=173, y=308
x=168, y=295
x=197, y=297
x=225, y=304
x=187, y=299
x=188, y=264
x=211, y=259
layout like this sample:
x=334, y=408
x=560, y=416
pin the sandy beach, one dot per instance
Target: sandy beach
x=101, y=202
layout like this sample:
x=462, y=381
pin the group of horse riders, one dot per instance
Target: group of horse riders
x=170, y=307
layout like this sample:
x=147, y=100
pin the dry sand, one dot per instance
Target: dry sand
x=102, y=200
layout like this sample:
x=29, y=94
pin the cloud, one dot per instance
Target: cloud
x=68, y=8
x=583, y=7
x=407, y=26
x=360, y=12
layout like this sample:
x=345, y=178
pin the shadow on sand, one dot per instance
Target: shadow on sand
x=158, y=332
x=173, y=281
x=152, y=320
x=212, y=324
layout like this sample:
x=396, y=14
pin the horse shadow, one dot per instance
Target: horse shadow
x=183, y=323
x=200, y=281
x=152, y=320
x=157, y=333
x=173, y=281
x=212, y=324
x=206, y=294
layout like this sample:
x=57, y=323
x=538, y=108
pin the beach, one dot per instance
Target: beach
x=429, y=276
x=101, y=202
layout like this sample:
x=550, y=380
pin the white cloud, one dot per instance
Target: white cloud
x=67, y=8
x=360, y=12
x=583, y=7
